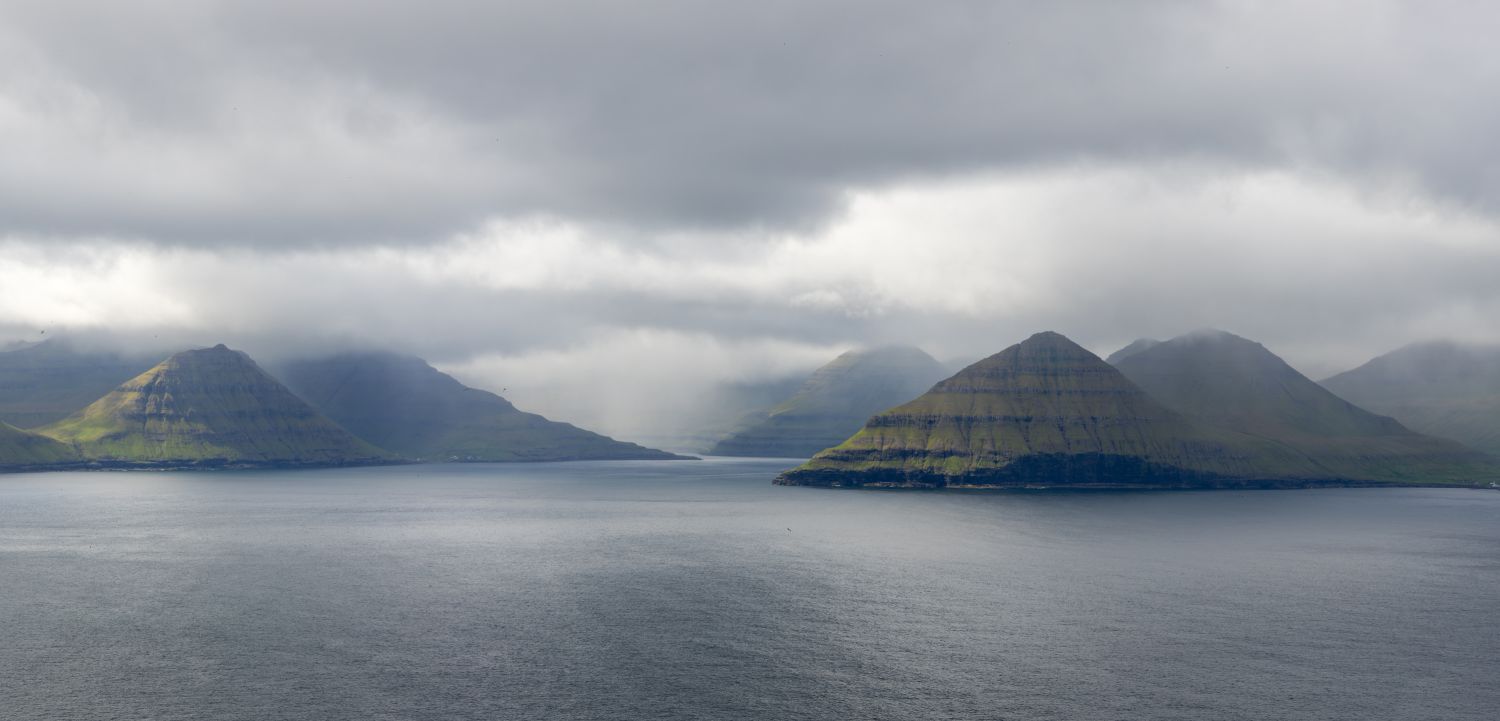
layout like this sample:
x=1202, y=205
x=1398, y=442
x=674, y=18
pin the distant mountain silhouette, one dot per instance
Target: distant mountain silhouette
x=1142, y=344
x=834, y=403
x=1441, y=388
x=42, y=383
x=404, y=405
x=1226, y=382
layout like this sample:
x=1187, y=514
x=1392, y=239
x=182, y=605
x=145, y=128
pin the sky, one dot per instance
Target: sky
x=607, y=208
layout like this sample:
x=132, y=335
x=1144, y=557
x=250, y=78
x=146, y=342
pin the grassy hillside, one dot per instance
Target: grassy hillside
x=208, y=407
x=20, y=450
x=1226, y=382
x=834, y=403
x=407, y=406
x=1442, y=389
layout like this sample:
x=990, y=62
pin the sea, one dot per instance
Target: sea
x=699, y=590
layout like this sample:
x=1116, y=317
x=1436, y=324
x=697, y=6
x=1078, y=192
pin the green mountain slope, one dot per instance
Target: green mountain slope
x=1045, y=411
x=45, y=382
x=405, y=405
x=20, y=450
x=1443, y=389
x=1226, y=382
x=834, y=403
x=210, y=407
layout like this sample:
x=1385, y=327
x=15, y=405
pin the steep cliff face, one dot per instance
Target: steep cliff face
x=405, y=405
x=20, y=450
x=1043, y=411
x=1226, y=382
x=209, y=407
x=1443, y=389
x=834, y=402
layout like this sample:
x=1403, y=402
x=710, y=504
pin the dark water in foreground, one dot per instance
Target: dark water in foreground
x=700, y=591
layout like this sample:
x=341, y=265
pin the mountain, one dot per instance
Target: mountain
x=834, y=403
x=210, y=407
x=1048, y=412
x=405, y=405
x=1226, y=382
x=43, y=382
x=20, y=450
x=1442, y=388
x=1142, y=344
x=1044, y=411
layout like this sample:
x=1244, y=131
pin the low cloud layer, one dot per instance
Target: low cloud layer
x=1324, y=273
x=611, y=209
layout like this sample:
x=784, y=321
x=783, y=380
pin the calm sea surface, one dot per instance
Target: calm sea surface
x=652, y=590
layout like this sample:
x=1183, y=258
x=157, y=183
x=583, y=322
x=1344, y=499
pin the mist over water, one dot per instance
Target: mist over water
x=698, y=590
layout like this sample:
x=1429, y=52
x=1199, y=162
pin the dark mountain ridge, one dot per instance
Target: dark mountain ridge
x=43, y=383
x=1445, y=389
x=402, y=404
x=1226, y=382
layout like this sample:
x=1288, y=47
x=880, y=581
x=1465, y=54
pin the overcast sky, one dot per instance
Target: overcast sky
x=605, y=206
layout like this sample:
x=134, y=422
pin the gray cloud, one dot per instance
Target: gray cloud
x=288, y=122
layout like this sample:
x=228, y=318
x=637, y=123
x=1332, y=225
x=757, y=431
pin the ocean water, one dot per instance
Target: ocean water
x=659, y=590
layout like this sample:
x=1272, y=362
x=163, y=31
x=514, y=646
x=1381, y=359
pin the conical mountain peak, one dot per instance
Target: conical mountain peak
x=212, y=406
x=1221, y=411
x=1237, y=383
x=1225, y=382
x=1043, y=408
x=1221, y=341
x=1049, y=341
x=1045, y=360
x=1210, y=334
